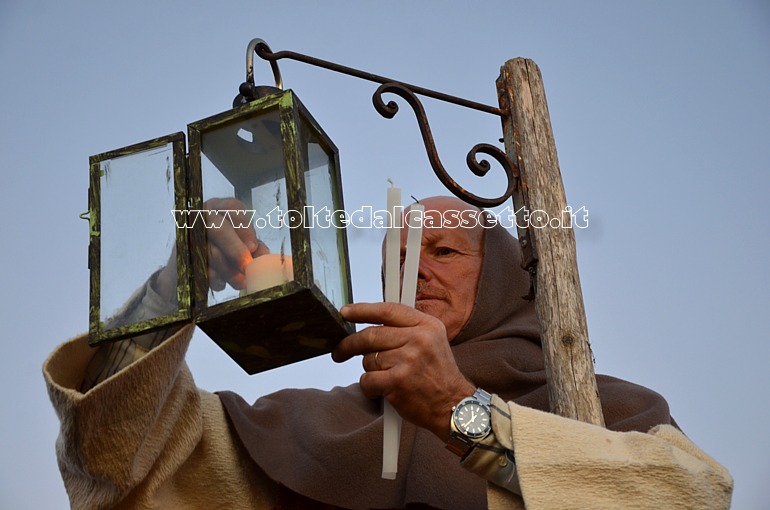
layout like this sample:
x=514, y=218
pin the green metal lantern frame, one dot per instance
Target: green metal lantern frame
x=285, y=314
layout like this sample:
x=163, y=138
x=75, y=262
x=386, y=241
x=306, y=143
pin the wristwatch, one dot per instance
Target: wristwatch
x=471, y=422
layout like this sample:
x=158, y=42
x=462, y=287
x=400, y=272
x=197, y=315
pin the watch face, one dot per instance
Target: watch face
x=472, y=419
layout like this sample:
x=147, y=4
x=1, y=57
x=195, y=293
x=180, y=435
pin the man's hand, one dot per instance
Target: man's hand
x=408, y=361
x=229, y=250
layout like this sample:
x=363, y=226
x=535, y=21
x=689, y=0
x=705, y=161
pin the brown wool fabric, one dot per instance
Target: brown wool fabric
x=327, y=445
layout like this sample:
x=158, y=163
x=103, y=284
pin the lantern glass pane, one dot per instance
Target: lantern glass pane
x=325, y=230
x=138, y=234
x=243, y=177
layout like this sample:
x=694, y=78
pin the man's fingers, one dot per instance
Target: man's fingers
x=228, y=240
x=237, y=243
x=216, y=282
x=394, y=317
x=237, y=281
x=378, y=360
x=221, y=271
x=388, y=314
x=248, y=236
x=262, y=249
x=368, y=340
x=374, y=384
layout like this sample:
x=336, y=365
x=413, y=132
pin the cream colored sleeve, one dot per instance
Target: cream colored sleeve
x=562, y=463
x=147, y=437
x=112, y=357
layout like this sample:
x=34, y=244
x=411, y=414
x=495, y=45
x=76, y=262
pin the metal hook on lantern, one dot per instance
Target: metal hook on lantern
x=248, y=90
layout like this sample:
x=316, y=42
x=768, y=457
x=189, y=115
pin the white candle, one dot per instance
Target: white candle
x=412, y=259
x=268, y=271
x=393, y=245
x=391, y=427
x=391, y=420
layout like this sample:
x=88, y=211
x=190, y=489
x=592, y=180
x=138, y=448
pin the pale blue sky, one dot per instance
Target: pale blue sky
x=661, y=118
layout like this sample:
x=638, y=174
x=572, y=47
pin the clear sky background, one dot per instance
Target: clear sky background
x=661, y=118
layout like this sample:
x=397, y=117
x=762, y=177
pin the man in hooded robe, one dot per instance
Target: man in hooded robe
x=139, y=434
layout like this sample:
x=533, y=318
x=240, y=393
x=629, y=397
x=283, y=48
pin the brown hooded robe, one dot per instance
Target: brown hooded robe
x=327, y=445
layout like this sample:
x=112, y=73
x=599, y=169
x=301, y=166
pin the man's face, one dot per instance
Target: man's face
x=450, y=266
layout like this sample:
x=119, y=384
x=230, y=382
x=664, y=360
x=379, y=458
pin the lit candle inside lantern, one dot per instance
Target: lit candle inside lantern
x=268, y=271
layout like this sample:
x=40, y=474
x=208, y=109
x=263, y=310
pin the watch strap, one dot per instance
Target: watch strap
x=483, y=397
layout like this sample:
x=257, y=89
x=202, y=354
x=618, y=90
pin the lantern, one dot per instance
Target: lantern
x=157, y=223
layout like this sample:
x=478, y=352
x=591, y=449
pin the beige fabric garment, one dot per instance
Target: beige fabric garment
x=567, y=464
x=148, y=438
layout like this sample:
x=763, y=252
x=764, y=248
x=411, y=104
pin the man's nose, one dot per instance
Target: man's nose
x=424, y=271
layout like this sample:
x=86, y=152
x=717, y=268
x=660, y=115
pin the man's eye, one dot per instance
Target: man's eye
x=444, y=251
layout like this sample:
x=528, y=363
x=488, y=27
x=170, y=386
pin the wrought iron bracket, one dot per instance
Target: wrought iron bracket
x=514, y=188
x=479, y=168
x=388, y=110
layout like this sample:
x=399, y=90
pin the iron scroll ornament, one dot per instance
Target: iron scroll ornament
x=479, y=168
x=407, y=92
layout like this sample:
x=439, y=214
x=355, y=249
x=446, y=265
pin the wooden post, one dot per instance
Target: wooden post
x=558, y=298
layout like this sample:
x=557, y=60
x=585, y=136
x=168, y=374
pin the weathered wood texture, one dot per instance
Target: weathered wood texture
x=558, y=297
